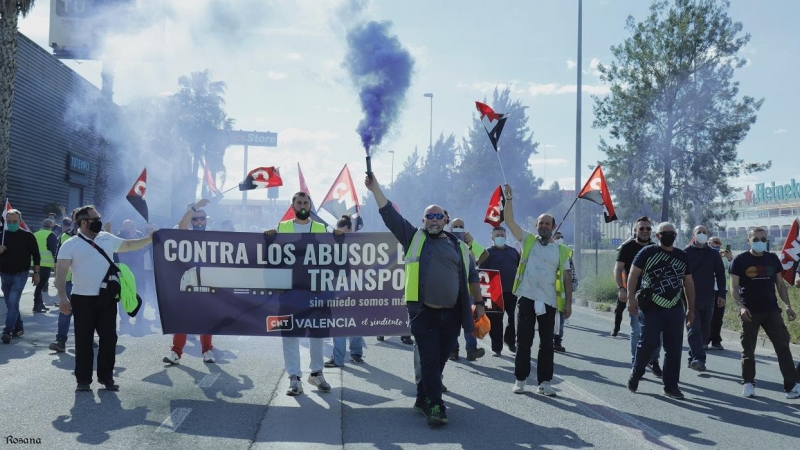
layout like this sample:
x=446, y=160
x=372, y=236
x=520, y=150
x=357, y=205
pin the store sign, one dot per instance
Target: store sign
x=773, y=193
x=79, y=165
x=253, y=138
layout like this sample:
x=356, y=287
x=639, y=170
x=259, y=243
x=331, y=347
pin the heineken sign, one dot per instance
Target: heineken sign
x=773, y=193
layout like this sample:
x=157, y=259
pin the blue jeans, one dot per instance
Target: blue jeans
x=64, y=319
x=700, y=330
x=472, y=342
x=435, y=331
x=12, y=286
x=339, y=343
x=636, y=335
x=667, y=325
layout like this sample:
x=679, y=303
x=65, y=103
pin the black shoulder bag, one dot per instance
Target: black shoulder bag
x=110, y=287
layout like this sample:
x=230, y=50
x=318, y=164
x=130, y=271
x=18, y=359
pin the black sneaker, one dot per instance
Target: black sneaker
x=615, y=332
x=6, y=338
x=40, y=309
x=18, y=334
x=330, y=364
x=423, y=406
x=653, y=365
x=380, y=338
x=717, y=346
x=559, y=348
x=474, y=354
x=512, y=346
x=673, y=392
x=633, y=383
x=454, y=355
x=406, y=340
x=444, y=388
x=437, y=416
x=356, y=358
x=83, y=387
x=110, y=386
x=58, y=346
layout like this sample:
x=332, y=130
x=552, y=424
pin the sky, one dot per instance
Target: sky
x=283, y=64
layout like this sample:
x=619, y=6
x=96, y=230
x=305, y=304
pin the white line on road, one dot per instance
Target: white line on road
x=208, y=380
x=174, y=420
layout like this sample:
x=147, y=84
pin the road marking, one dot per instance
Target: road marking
x=174, y=420
x=208, y=380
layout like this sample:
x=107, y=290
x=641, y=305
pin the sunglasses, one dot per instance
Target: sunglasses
x=431, y=216
x=763, y=239
x=198, y=219
x=645, y=228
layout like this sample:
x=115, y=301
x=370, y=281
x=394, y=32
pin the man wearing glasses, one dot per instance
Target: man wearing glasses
x=441, y=281
x=666, y=279
x=193, y=219
x=754, y=277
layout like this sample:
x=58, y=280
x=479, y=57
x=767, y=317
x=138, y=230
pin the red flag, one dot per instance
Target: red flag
x=492, y=290
x=790, y=254
x=492, y=122
x=596, y=190
x=494, y=214
x=21, y=222
x=136, y=195
x=342, y=199
x=211, y=184
x=261, y=178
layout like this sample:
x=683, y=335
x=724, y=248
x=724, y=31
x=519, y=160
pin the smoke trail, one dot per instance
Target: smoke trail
x=381, y=69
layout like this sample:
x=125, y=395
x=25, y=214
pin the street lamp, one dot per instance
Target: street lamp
x=430, y=95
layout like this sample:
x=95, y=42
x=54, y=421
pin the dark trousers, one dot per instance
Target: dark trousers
x=496, y=334
x=667, y=325
x=92, y=314
x=436, y=332
x=44, y=278
x=618, y=312
x=526, y=328
x=773, y=325
x=701, y=328
x=715, y=336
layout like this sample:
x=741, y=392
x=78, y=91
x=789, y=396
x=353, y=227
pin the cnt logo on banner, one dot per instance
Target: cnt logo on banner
x=306, y=284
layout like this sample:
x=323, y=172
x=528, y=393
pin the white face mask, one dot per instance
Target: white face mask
x=701, y=238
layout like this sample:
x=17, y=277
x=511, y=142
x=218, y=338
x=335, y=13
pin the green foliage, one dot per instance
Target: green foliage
x=598, y=288
x=675, y=114
x=732, y=321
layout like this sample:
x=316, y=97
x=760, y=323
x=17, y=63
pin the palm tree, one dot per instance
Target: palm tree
x=9, y=20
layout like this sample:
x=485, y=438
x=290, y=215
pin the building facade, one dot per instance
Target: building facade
x=773, y=206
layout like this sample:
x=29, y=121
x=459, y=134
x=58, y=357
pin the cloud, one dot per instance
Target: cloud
x=558, y=89
x=593, y=67
x=293, y=56
x=487, y=87
x=537, y=161
x=546, y=146
x=780, y=131
x=290, y=135
x=570, y=64
x=276, y=75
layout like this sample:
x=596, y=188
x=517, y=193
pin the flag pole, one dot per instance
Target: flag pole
x=5, y=225
x=501, y=166
x=565, y=215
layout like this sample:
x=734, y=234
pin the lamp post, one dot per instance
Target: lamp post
x=577, y=217
x=430, y=145
x=392, y=152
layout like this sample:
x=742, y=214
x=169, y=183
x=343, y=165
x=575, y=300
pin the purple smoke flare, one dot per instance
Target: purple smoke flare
x=381, y=70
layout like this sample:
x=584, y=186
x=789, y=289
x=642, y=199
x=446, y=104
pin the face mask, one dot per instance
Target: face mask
x=667, y=239
x=459, y=232
x=12, y=227
x=96, y=226
x=713, y=247
x=500, y=241
x=560, y=240
x=759, y=247
x=302, y=214
x=701, y=238
x=199, y=227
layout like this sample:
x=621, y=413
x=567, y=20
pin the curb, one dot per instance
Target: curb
x=728, y=335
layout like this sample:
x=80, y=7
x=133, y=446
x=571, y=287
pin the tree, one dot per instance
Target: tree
x=674, y=107
x=9, y=29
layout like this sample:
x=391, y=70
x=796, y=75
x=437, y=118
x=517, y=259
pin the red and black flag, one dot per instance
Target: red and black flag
x=136, y=195
x=492, y=122
x=342, y=199
x=790, y=254
x=211, y=184
x=494, y=214
x=22, y=223
x=596, y=190
x=261, y=178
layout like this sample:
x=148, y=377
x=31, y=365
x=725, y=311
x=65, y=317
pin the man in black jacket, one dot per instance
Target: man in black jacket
x=17, y=250
x=708, y=273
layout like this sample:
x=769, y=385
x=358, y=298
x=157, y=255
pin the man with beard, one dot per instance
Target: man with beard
x=441, y=281
x=193, y=219
x=543, y=286
x=627, y=252
x=666, y=279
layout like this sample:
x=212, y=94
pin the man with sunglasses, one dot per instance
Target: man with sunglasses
x=755, y=275
x=666, y=279
x=441, y=282
x=193, y=219
x=625, y=256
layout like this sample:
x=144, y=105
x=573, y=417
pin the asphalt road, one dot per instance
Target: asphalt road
x=240, y=402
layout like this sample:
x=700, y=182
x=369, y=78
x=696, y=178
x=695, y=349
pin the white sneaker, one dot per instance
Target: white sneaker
x=295, y=386
x=545, y=389
x=319, y=381
x=519, y=386
x=208, y=357
x=173, y=358
x=794, y=393
x=749, y=390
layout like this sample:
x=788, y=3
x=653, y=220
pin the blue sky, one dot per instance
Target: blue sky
x=282, y=62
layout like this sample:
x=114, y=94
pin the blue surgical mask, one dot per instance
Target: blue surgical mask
x=12, y=227
x=459, y=232
x=499, y=241
x=759, y=247
x=713, y=247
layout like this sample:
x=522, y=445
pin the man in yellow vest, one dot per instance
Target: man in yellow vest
x=302, y=223
x=437, y=310
x=48, y=244
x=543, y=286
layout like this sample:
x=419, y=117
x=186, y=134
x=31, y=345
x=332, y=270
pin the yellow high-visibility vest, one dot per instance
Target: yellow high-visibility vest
x=287, y=226
x=412, y=265
x=46, y=255
x=564, y=254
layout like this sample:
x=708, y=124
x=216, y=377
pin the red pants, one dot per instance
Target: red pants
x=179, y=341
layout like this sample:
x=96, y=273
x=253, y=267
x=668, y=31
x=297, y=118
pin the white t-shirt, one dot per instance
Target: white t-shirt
x=89, y=267
x=539, y=280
